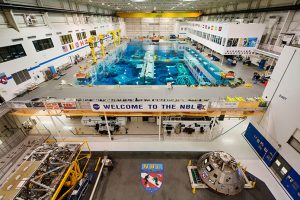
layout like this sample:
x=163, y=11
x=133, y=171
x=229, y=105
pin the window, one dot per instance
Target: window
x=93, y=32
x=81, y=36
x=66, y=39
x=21, y=76
x=43, y=44
x=232, y=42
x=11, y=52
x=209, y=168
x=294, y=140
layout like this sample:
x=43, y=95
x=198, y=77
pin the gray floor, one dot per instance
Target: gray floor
x=124, y=181
x=53, y=89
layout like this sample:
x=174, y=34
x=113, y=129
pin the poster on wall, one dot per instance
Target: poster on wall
x=149, y=106
x=247, y=42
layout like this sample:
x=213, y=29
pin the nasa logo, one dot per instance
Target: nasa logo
x=96, y=106
x=200, y=106
x=152, y=176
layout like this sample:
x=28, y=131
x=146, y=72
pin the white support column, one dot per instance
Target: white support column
x=285, y=27
x=159, y=130
x=222, y=60
x=213, y=124
x=56, y=128
x=9, y=15
x=107, y=126
x=46, y=19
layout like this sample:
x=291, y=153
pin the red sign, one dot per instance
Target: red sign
x=68, y=105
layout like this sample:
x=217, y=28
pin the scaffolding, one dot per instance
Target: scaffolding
x=51, y=171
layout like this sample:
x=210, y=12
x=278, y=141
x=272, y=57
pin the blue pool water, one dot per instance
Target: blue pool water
x=141, y=63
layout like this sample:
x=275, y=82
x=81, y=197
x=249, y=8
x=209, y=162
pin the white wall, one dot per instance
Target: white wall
x=53, y=24
x=227, y=30
x=147, y=26
x=261, y=17
x=283, y=115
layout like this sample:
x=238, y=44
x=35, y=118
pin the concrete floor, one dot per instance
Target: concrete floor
x=53, y=89
x=124, y=181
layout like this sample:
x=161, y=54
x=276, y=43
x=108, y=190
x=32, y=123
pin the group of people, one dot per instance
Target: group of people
x=255, y=77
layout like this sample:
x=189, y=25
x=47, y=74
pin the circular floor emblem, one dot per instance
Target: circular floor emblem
x=96, y=106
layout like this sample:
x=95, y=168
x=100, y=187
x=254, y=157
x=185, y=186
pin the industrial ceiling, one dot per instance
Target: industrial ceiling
x=159, y=5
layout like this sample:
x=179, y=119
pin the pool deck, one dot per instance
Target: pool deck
x=52, y=88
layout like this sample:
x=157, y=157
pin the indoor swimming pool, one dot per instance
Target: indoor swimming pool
x=146, y=63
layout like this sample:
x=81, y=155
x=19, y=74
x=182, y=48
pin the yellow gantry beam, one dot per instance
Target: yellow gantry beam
x=75, y=171
x=158, y=15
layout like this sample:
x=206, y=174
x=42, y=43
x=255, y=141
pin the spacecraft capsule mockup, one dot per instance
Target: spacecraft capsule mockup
x=220, y=172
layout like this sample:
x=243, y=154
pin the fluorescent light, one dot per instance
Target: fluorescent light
x=137, y=0
x=103, y=4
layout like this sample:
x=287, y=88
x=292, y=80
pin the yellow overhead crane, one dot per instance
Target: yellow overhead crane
x=118, y=33
x=114, y=35
x=101, y=38
x=159, y=14
x=92, y=40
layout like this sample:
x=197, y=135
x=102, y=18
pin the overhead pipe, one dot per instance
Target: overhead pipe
x=4, y=6
x=257, y=10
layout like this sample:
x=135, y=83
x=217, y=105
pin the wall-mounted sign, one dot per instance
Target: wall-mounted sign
x=224, y=104
x=3, y=78
x=149, y=106
x=51, y=106
x=68, y=105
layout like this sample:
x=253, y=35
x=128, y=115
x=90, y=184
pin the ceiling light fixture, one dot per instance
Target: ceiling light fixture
x=137, y=0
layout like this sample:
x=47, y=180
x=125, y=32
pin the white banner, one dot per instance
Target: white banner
x=149, y=106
